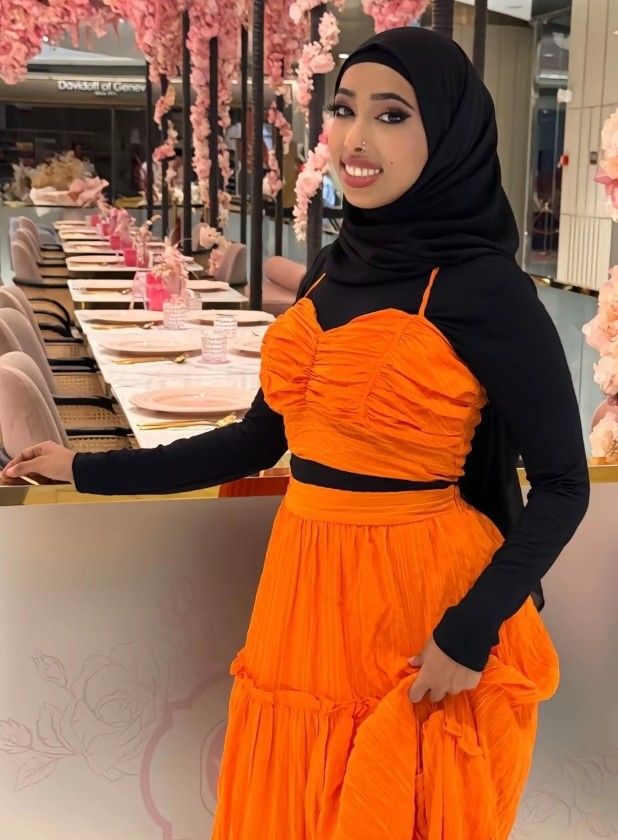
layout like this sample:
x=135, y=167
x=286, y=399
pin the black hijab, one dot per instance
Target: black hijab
x=457, y=210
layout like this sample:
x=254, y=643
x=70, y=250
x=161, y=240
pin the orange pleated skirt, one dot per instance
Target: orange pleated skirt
x=323, y=742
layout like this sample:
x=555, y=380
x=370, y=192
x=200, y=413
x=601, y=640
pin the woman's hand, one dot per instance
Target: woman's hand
x=440, y=675
x=47, y=459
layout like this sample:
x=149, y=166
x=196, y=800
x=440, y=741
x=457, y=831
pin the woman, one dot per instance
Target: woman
x=389, y=683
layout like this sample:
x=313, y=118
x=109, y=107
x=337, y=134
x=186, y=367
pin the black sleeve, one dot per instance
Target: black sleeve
x=504, y=334
x=221, y=455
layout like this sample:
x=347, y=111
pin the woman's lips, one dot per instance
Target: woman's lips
x=359, y=172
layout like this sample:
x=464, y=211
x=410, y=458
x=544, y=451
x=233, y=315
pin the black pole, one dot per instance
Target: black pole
x=187, y=138
x=480, y=36
x=244, y=131
x=279, y=199
x=165, y=193
x=316, y=111
x=213, y=139
x=257, y=199
x=149, y=147
x=114, y=156
x=442, y=18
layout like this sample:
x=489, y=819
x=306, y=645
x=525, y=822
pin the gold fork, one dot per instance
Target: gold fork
x=143, y=359
x=181, y=424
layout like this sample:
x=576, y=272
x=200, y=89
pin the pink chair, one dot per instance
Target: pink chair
x=280, y=283
x=58, y=351
x=27, y=417
x=47, y=314
x=233, y=266
x=25, y=233
x=45, y=238
x=29, y=278
x=17, y=334
x=23, y=238
x=84, y=416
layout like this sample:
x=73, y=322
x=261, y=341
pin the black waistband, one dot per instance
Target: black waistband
x=310, y=472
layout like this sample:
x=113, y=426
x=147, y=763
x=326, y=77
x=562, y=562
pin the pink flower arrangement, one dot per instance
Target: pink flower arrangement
x=309, y=181
x=141, y=237
x=272, y=183
x=602, y=334
x=171, y=269
x=85, y=192
x=276, y=118
x=608, y=170
x=604, y=439
x=389, y=14
x=602, y=331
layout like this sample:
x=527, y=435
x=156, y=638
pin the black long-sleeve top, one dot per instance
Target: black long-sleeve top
x=499, y=328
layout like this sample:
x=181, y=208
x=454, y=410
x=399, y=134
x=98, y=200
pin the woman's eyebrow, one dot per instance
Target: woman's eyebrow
x=377, y=96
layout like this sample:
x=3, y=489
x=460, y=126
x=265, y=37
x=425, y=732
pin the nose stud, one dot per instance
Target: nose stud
x=362, y=147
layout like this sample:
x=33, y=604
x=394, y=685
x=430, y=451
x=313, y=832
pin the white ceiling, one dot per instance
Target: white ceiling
x=515, y=8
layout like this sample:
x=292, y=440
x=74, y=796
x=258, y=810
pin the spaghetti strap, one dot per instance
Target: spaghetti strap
x=312, y=287
x=427, y=292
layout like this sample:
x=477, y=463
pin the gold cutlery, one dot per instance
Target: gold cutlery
x=144, y=359
x=181, y=424
x=146, y=326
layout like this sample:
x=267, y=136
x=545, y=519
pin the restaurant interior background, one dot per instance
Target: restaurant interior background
x=119, y=616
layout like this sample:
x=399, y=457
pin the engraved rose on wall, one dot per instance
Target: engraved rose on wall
x=110, y=712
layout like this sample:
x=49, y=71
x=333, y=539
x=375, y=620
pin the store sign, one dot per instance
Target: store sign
x=101, y=87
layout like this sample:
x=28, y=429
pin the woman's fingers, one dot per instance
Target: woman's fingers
x=26, y=467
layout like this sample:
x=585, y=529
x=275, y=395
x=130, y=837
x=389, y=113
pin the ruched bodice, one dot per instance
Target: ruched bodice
x=384, y=394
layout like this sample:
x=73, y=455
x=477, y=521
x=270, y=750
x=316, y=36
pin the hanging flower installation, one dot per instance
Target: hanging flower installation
x=168, y=149
x=211, y=238
x=309, y=182
x=316, y=57
x=26, y=24
x=272, y=180
x=602, y=334
x=608, y=170
x=389, y=14
x=283, y=39
x=277, y=118
x=203, y=27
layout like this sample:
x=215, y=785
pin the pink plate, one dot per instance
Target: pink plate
x=154, y=343
x=251, y=345
x=202, y=400
x=124, y=316
x=208, y=286
x=244, y=317
x=97, y=259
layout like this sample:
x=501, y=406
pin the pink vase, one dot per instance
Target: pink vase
x=608, y=406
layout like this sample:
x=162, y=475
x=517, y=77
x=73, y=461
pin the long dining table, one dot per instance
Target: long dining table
x=127, y=376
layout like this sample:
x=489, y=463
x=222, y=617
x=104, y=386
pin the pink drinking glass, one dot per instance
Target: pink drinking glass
x=105, y=228
x=130, y=257
x=115, y=242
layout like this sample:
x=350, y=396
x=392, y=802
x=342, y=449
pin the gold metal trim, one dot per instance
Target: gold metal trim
x=564, y=287
x=66, y=494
